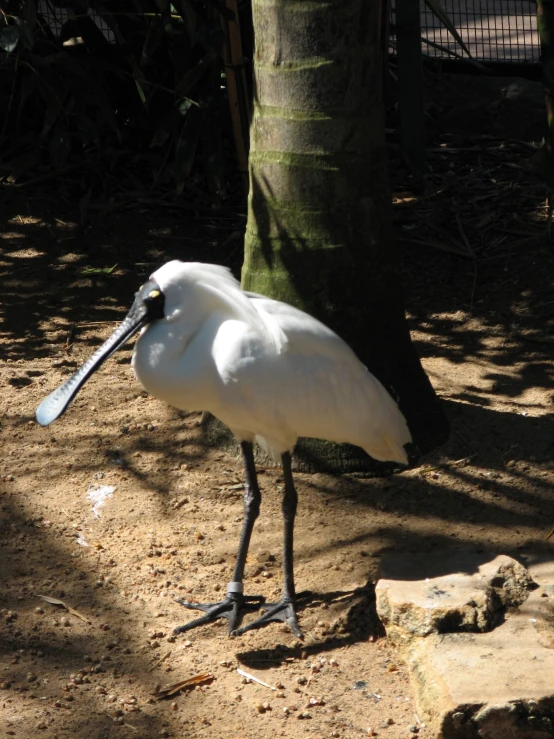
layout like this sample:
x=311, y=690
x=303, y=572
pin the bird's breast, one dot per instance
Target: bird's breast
x=175, y=368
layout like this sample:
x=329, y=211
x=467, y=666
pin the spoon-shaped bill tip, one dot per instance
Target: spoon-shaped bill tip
x=57, y=402
x=51, y=408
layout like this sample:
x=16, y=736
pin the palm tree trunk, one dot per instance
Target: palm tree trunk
x=319, y=232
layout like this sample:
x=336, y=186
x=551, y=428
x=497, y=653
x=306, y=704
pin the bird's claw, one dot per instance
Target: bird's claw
x=283, y=611
x=233, y=607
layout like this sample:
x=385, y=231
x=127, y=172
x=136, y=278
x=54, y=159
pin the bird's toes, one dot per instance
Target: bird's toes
x=232, y=608
x=283, y=611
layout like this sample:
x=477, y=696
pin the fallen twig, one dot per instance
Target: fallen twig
x=190, y=682
x=57, y=602
x=254, y=679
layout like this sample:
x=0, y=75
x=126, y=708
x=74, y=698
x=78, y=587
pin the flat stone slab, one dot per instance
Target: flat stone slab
x=467, y=591
x=469, y=684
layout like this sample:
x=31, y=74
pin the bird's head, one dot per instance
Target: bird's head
x=149, y=306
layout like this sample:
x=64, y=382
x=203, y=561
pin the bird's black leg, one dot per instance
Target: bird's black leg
x=284, y=610
x=235, y=603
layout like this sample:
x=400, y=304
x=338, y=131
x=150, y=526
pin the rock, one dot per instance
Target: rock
x=470, y=684
x=425, y=594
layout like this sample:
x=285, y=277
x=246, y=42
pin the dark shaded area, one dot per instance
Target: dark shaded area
x=45, y=255
x=126, y=98
x=361, y=624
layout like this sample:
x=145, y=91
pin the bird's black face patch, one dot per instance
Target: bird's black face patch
x=153, y=299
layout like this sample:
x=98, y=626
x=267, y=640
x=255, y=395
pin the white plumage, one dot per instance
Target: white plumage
x=269, y=371
x=264, y=368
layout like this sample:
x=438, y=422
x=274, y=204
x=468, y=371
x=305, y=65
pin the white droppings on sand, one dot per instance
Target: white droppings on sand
x=99, y=496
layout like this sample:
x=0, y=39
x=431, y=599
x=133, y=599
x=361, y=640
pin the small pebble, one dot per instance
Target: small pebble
x=317, y=702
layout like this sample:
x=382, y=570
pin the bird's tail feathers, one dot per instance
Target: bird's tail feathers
x=387, y=450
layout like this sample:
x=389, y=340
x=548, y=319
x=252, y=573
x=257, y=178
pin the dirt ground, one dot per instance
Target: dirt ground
x=484, y=328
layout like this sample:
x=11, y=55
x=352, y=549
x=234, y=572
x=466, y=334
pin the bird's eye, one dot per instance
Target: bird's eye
x=153, y=294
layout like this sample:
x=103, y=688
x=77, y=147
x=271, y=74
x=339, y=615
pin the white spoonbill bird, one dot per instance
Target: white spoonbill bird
x=269, y=371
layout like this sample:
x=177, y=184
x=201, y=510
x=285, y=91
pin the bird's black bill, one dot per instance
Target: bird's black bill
x=145, y=309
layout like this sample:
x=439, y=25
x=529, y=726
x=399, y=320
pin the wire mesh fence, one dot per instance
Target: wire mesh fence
x=56, y=17
x=492, y=30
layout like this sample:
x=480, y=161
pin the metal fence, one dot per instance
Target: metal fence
x=56, y=17
x=493, y=30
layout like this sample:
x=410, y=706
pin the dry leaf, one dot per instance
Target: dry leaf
x=191, y=682
x=57, y=602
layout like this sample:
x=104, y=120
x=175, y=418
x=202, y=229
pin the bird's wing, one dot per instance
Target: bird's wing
x=299, y=332
x=313, y=385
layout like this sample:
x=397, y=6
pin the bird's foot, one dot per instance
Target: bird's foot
x=284, y=611
x=233, y=607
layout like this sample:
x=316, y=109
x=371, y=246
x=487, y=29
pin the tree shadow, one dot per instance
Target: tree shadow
x=489, y=487
x=54, y=287
x=361, y=623
x=444, y=506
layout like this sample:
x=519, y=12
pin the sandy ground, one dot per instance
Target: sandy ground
x=170, y=525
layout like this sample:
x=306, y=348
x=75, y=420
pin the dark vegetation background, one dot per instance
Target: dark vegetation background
x=139, y=109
